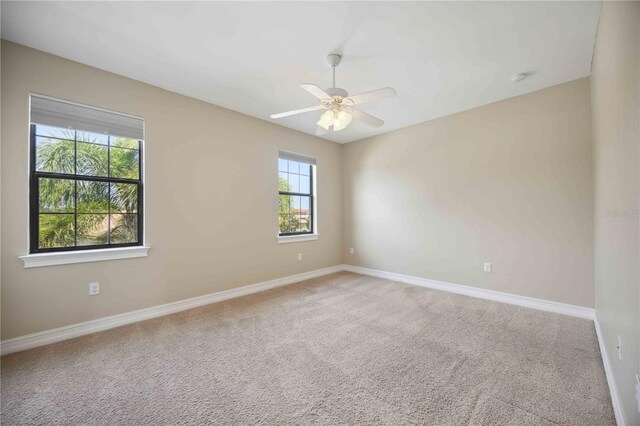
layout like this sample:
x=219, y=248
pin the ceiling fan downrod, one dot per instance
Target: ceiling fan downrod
x=333, y=60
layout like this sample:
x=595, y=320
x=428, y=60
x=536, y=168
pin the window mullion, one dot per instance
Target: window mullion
x=312, y=212
x=75, y=214
x=140, y=195
x=302, y=194
x=109, y=191
x=75, y=189
x=82, y=177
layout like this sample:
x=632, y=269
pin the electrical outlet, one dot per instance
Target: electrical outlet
x=487, y=267
x=351, y=250
x=619, y=347
x=299, y=256
x=94, y=289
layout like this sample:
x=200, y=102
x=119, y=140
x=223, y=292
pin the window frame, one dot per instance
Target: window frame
x=34, y=197
x=311, y=195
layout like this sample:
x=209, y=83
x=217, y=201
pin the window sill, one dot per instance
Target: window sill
x=81, y=256
x=296, y=238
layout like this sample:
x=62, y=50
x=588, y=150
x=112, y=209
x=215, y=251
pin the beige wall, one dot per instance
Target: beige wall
x=211, y=199
x=508, y=183
x=615, y=87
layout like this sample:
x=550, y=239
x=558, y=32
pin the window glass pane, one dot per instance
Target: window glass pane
x=294, y=223
x=304, y=203
x=55, y=132
x=125, y=142
x=124, y=198
x=305, y=184
x=125, y=163
x=56, y=230
x=305, y=213
x=304, y=224
x=93, y=229
x=54, y=156
x=91, y=159
x=98, y=138
x=56, y=195
x=93, y=197
x=284, y=223
x=294, y=183
x=284, y=204
x=77, y=211
x=294, y=211
x=282, y=165
x=283, y=183
x=124, y=228
x=295, y=204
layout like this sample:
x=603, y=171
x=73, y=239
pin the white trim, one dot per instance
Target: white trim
x=296, y=238
x=618, y=410
x=497, y=296
x=81, y=256
x=75, y=330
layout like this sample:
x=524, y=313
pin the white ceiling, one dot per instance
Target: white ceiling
x=441, y=57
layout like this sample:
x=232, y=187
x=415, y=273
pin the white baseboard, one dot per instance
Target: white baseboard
x=512, y=299
x=618, y=411
x=75, y=330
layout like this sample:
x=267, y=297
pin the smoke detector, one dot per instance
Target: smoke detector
x=517, y=78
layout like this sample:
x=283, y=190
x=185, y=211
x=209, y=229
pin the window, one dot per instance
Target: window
x=86, y=178
x=296, y=194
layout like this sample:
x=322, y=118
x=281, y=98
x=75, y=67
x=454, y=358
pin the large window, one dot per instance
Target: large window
x=296, y=194
x=86, y=181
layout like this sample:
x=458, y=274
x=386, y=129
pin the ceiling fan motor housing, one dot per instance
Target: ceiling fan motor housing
x=337, y=92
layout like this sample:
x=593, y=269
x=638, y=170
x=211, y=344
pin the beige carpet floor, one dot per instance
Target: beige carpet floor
x=341, y=349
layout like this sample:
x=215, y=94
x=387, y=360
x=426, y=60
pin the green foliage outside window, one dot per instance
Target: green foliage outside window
x=73, y=211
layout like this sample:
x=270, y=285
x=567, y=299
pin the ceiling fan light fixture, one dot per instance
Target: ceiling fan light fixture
x=342, y=120
x=339, y=104
x=326, y=120
x=345, y=117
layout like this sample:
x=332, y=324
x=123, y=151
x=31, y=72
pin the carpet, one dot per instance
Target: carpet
x=336, y=350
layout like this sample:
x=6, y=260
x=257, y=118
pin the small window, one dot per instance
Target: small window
x=296, y=206
x=86, y=179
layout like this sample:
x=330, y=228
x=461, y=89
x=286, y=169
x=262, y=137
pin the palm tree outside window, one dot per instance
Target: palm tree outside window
x=86, y=188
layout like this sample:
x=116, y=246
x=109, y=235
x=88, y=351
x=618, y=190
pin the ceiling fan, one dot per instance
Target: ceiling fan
x=339, y=104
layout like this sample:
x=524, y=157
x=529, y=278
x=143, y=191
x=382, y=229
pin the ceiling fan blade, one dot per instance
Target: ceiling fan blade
x=320, y=131
x=374, y=95
x=366, y=118
x=315, y=91
x=297, y=111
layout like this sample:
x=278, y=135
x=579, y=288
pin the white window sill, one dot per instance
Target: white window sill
x=66, y=257
x=296, y=238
